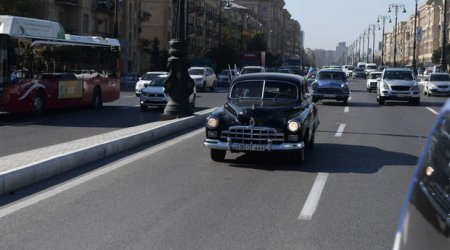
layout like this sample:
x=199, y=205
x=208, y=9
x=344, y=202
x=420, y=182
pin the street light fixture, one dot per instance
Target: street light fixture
x=364, y=42
x=396, y=8
x=414, y=61
x=372, y=28
x=368, y=44
x=383, y=20
x=178, y=85
x=443, y=60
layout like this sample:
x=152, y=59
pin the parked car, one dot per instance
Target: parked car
x=437, y=84
x=225, y=77
x=252, y=69
x=398, y=84
x=425, y=218
x=153, y=95
x=263, y=112
x=372, y=80
x=146, y=79
x=203, y=77
x=358, y=73
x=330, y=84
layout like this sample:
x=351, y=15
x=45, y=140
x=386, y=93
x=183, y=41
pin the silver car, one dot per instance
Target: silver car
x=398, y=84
x=153, y=95
x=437, y=84
x=146, y=79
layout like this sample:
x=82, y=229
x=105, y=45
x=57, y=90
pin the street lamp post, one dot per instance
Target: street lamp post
x=383, y=20
x=443, y=60
x=178, y=85
x=359, y=48
x=364, y=42
x=414, y=61
x=373, y=27
x=368, y=44
x=396, y=7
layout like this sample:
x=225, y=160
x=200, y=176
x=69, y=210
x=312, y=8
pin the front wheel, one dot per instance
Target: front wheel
x=381, y=100
x=38, y=103
x=217, y=154
x=97, y=101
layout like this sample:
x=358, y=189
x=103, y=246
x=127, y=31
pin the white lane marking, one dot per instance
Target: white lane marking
x=346, y=109
x=340, y=130
x=97, y=173
x=349, y=98
x=432, y=111
x=313, y=199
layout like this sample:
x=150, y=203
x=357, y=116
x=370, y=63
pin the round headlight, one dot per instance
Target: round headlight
x=293, y=126
x=212, y=122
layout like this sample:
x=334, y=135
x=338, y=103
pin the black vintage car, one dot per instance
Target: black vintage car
x=263, y=112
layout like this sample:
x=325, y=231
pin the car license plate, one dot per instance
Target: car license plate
x=328, y=96
x=156, y=99
x=248, y=147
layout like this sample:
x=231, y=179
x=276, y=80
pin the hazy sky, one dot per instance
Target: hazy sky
x=328, y=22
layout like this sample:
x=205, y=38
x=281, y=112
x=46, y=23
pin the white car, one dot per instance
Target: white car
x=146, y=79
x=252, y=69
x=372, y=80
x=398, y=84
x=204, y=77
x=437, y=84
x=153, y=94
x=370, y=67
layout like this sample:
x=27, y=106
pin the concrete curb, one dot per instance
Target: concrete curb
x=22, y=169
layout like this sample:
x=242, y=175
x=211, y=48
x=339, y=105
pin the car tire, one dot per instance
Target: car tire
x=97, y=101
x=203, y=88
x=193, y=102
x=381, y=100
x=38, y=104
x=217, y=154
x=314, y=99
x=143, y=108
x=345, y=102
x=213, y=86
x=297, y=156
x=415, y=101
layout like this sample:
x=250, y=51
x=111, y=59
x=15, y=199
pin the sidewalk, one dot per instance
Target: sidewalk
x=22, y=169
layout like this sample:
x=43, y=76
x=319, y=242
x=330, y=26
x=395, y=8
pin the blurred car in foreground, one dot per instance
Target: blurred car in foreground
x=263, y=112
x=146, y=79
x=398, y=84
x=203, y=77
x=425, y=217
x=437, y=84
x=154, y=96
x=372, y=80
x=330, y=84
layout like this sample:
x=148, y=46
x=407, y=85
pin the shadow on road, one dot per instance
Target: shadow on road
x=327, y=158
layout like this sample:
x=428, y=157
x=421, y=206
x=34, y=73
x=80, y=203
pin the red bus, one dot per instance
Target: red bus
x=41, y=67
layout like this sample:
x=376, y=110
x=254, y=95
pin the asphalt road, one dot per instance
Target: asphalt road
x=24, y=132
x=346, y=195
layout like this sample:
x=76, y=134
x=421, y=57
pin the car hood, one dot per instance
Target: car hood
x=329, y=84
x=400, y=82
x=144, y=82
x=440, y=82
x=195, y=77
x=267, y=113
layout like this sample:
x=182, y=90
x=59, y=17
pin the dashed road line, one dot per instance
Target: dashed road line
x=313, y=199
x=346, y=109
x=340, y=130
x=432, y=111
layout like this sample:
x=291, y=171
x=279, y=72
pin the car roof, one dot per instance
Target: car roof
x=397, y=69
x=331, y=70
x=270, y=76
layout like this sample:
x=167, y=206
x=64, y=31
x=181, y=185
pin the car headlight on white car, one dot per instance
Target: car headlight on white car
x=385, y=85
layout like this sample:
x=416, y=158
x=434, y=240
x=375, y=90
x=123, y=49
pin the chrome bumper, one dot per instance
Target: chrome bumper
x=228, y=146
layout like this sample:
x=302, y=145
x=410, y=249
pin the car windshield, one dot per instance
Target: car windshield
x=350, y=68
x=340, y=76
x=150, y=76
x=358, y=69
x=398, y=75
x=158, y=81
x=440, y=78
x=196, y=71
x=272, y=90
x=371, y=67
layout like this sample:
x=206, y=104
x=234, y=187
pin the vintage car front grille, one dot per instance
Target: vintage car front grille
x=252, y=135
x=328, y=90
x=400, y=88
